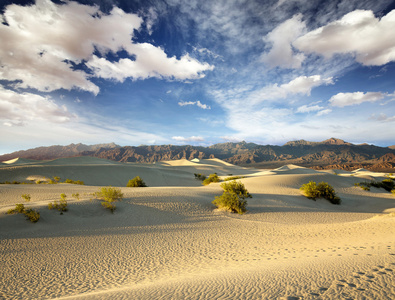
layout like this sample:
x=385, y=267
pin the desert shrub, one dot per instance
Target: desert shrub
x=61, y=205
x=310, y=190
x=76, y=196
x=233, y=178
x=387, y=184
x=56, y=179
x=136, y=182
x=233, y=197
x=32, y=215
x=323, y=189
x=211, y=178
x=27, y=197
x=109, y=195
x=80, y=182
x=200, y=176
x=19, y=208
x=393, y=192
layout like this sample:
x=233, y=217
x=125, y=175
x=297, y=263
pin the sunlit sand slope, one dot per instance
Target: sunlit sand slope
x=168, y=242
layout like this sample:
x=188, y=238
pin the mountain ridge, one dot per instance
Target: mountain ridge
x=331, y=153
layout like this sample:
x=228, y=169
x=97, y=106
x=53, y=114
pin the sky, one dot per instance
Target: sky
x=196, y=72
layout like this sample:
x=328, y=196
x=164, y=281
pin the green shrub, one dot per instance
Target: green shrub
x=57, y=179
x=323, y=189
x=61, y=205
x=387, y=184
x=211, y=178
x=393, y=192
x=310, y=190
x=76, y=196
x=233, y=178
x=233, y=197
x=19, y=208
x=136, y=182
x=27, y=197
x=109, y=195
x=32, y=215
x=200, y=176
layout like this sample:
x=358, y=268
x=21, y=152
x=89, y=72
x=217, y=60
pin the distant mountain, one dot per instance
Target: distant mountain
x=52, y=152
x=332, y=153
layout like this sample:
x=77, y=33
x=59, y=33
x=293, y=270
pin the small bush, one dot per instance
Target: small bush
x=136, y=182
x=32, y=215
x=80, y=182
x=61, y=205
x=76, y=196
x=109, y=195
x=200, y=176
x=233, y=198
x=27, y=197
x=323, y=189
x=387, y=184
x=233, y=178
x=393, y=192
x=211, y=178
x=19, y=208
x=57, y=179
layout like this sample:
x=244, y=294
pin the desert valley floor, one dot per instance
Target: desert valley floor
x=167, y=241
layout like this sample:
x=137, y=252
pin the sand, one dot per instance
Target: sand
x=167, y=241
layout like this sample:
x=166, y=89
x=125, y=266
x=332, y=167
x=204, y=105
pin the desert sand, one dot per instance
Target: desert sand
x=167, y=241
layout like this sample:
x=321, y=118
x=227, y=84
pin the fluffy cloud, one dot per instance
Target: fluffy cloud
x=197, y=103
x=281, y=53
x=188, y=139
x=42, y=44
x=301, y=85
x=372, y=40
x=382, y=118
x=347, y=99
x=17, y=109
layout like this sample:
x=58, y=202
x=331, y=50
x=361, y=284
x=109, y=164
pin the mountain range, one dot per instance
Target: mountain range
x=329, y=154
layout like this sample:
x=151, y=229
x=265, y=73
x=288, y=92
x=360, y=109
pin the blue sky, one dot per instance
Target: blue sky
x=196, y=72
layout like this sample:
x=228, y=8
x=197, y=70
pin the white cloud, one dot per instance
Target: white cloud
x=372, y=40
x=382, y=118
x=43, y=39
x=188, y=139
x=308, y=109
x=324, y=112
x=197, y=103
x=301, y=85
x=18, y=109
x=281, y=53
x=346, y=99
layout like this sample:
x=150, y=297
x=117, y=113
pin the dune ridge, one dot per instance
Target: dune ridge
x=167, y=241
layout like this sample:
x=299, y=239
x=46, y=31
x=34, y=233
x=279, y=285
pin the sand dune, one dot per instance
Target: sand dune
x=168, y=242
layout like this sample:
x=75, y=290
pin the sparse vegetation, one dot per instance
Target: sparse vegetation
x=76, y=196
x=211, y=178
x=136, y=182
x=27, y=197
x=387, y=184
x=74, y=181
x=200, y=176
x=30, y=214
x=322, y=190
x=233, y=197
x=109, y=195
x=61, y=205
x=233, y=178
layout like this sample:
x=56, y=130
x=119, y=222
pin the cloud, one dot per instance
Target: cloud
x=197, y=103
x=46, y=41
x=281, y=53
x=17, y=109
x=301, y=85
x=308, y=109
x=370, y=39
x=347, y=99
x=188, y=139
x=382, y=118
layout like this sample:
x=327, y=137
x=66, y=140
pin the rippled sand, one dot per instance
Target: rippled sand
x=168, y=241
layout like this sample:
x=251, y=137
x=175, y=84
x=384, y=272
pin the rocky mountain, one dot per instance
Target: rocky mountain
x=53, y=152
x=332, y=153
